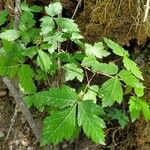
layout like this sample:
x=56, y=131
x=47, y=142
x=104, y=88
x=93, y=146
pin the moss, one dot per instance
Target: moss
x=120, y=20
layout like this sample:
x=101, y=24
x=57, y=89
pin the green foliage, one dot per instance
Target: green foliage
x=90, y=83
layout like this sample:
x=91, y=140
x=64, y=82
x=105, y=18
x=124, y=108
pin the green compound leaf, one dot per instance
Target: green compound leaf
x=67, y=25
x=117, y=114
x=91, y=93
x=132, y=81
x=47, y=24
x=111, y=91
x=117, y=49
x=10, y=35
x=54, y=9
x=132, y=66
x=44, y=61
x=61, y=125
x=137, y=105
x=3, y=16
x=96, y=50
x=73, y=71
x=25, y=75
x=92, y=124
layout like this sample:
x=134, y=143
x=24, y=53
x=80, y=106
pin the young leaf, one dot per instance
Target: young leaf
x=132, y=66
x=137, y=105
x=47, y=24
x=111, y=91
x=10, y=35
x=117, y=114
x=54, y=9
x=44, y=61
x=62, y=97
x=25, y=75
x=92, y=124
x=91, y=93
x=25, y=6
x=3, y=16
x=96, y=50
x=67, y=25
x=53, y=39
x=132, y=81
x=73, y=71
x=117, y=49
x=59, y=126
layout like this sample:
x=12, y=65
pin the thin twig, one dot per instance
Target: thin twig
x=75, y=11
x=12, y=123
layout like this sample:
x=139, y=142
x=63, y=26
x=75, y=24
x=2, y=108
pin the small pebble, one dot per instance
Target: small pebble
x=23, y=119
x=3, y=93
x=65, y=146
x=25, y=142
x=30, y=148
x=1, y=134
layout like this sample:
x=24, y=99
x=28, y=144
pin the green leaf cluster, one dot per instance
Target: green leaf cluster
x=92, y=85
